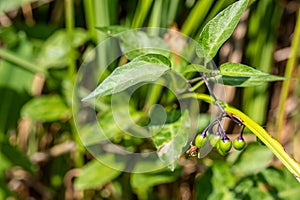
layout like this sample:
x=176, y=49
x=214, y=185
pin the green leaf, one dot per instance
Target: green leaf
x=15, y=84
x=95, y=174
x=9, y=36
x=216, y=182
x=199, y=68
x=278, y=179
x=219, y=29
x=144, y=68
x=135, y=43
x=143, y=183
x=252, y=160
x=240, y=75
x=170, y=139
x=56, y=48
x=46, y=109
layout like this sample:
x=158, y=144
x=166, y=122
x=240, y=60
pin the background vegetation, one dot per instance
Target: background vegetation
x=43, y=44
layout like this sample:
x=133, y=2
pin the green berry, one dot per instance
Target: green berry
x=214, y=140
x=239, y=143
x=220, y=151
x=199, y=140
x=225, y=145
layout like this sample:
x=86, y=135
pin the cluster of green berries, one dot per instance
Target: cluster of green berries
x=219, y=139
x=223, y=144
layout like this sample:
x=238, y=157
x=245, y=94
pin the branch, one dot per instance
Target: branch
x=261, y=133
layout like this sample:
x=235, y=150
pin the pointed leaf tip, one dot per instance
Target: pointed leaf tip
x=240, y=75
x=219, y=29
x=145, y=68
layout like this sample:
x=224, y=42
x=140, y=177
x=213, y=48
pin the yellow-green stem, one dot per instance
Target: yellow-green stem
x=288, y=73
x=21, y=62
x=196, y=16
x=90, y=19
x=142, y=10
x=69, y=12
x=261, y=133
x=199, y=84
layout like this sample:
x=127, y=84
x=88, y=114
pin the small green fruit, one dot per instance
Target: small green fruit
x=214, y=140
x=225, y=145
x=199, y=140
x=222, y=153
x=239, y=143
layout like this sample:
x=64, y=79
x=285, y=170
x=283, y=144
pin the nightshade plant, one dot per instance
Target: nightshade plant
x=150, y=64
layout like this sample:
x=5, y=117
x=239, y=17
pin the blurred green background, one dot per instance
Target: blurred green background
x=43, y=43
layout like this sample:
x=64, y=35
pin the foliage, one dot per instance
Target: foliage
x=40, y=147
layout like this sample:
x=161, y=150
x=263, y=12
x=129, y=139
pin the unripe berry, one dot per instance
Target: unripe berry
x=214, y=140
x=239, y=143
x=199, y=140
x=222, y=153
x=225, y=145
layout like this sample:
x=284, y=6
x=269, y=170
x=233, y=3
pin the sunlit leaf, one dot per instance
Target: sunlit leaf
x=240, y=75
x=219, y=29
x=170, y=139
x=135, y=42
x=198, y=68
x=145, y=68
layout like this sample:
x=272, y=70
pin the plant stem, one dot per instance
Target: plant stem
x=154, y=91
x=195, y=87
x=141, y=12
x=172, y=11
x=212, y=94
x=25, y=64
x=69, y=12
x=70, y=23
x=153, y=95
x=262, y=134
x=259, y=53
x=268, y=140
x=102, y=19
x=288, y=73
x=155, y=18
x=90, y=19
x=196, y=16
